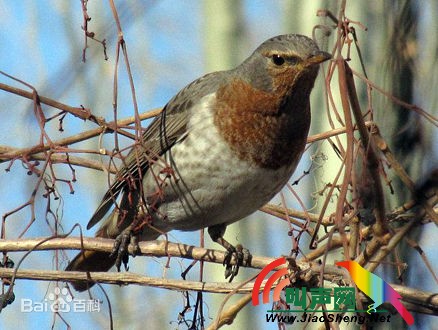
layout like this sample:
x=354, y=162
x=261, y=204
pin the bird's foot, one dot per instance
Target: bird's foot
x=242, y=257
x=240, y=254
x=120, y=249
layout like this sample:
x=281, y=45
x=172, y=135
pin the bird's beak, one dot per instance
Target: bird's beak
x=318, y=57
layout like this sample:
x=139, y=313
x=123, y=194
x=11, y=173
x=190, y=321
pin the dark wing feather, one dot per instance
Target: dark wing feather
x=164, y=131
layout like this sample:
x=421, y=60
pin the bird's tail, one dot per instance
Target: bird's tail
x=90, y=261
x=96, y=261
x=405, y=314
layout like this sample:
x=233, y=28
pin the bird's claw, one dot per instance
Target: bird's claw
x=120, y=248
x=242, y=257
x=240, y=254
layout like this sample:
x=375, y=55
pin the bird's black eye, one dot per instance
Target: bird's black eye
x=277, y=59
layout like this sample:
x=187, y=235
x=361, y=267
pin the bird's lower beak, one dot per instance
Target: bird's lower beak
x=318, y=58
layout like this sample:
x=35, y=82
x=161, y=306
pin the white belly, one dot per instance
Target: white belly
x=213, y=185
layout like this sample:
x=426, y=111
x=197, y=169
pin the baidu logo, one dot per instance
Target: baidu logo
x=60, y=301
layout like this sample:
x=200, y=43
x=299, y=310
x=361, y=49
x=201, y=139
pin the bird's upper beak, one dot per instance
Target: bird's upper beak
x=318, y=57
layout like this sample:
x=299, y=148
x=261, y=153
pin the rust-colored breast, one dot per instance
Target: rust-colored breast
x=262, y=127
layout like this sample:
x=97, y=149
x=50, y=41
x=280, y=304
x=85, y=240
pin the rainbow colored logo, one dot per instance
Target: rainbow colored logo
x=370, y=284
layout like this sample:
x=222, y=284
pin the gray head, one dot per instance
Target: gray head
x=281, y=61
x=293, y=44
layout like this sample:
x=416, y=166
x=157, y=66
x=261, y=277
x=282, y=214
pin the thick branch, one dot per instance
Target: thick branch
x=125, y=278
x=372, y=160
x=150, y=248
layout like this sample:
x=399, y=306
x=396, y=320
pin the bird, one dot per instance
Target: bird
x=221, y=148
x=375, y=288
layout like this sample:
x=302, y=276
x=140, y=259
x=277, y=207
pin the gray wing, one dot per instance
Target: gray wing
x=164, y=131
